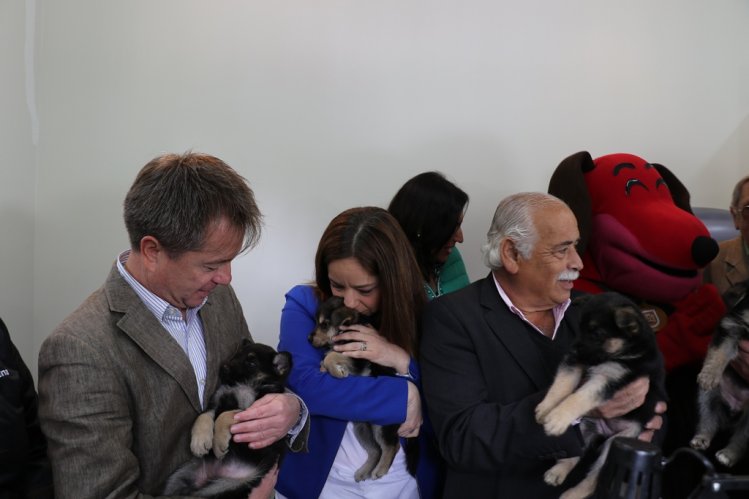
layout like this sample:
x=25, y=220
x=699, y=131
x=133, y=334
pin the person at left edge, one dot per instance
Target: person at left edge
x=24, y=468
x=122, y=379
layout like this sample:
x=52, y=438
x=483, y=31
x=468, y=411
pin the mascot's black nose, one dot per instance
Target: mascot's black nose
x=704, y=249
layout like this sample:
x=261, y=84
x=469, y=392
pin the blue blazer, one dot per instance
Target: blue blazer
x=334, y=402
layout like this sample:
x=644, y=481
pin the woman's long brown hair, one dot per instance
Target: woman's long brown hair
x=374, y=238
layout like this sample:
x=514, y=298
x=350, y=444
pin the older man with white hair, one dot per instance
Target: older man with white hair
x=490, y=351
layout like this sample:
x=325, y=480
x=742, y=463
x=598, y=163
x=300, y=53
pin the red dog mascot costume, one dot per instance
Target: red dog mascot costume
x=640, y=238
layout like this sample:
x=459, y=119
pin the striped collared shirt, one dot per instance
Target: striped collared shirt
x=187, y=331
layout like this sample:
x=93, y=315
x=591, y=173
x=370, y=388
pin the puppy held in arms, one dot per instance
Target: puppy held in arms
x=724, y=395
x=615, y=347
x=380, y=442
x=223, y=468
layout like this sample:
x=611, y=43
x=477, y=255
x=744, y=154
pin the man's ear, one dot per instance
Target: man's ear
x=510, y=255
x=150, y=251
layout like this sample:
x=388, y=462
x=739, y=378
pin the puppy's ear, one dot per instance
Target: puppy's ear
x=581, y=299
x=282, y=363
x=347, y=321
x=627, y=320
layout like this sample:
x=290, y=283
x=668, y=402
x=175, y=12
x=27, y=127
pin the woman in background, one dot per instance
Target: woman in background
x=430, y=210
x=363, y=257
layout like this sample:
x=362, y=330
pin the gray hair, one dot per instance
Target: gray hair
x=737, y=192
x=513, y=220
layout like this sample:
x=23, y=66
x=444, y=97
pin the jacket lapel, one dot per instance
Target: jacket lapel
x=735, y=264
x=140, y=325
x=504, y=325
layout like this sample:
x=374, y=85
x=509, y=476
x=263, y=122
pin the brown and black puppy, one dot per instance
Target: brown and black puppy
x=380, y=442
x=233, y=469
x=723, y=398
x=615, y=347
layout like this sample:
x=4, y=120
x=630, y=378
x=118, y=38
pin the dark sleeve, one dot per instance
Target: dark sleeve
x=482, y=415
x=34, y=478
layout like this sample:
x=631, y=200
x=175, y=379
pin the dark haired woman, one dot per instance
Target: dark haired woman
x=363, y=257
x=430, y=210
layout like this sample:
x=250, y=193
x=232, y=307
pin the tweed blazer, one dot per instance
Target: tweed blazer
x=118, y=396
x=483, y=376
x=729, y=267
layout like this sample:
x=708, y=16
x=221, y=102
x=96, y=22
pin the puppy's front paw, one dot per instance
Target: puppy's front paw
x=222, y=433
x=700, y=442
x=542, y=410
x=553, y=478
x=555, y=475
x=361, y=475
x=707, y=379
x=556, y=422
x=340, y=371
x=336, y=364
x=727, y=457
x=202, y=434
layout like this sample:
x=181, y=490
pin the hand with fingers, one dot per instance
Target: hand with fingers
x=364, y=342
x=626, y=399
x=267, y=420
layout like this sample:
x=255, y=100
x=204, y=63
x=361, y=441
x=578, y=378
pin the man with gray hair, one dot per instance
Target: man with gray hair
x=490, y=351
x=123, y=378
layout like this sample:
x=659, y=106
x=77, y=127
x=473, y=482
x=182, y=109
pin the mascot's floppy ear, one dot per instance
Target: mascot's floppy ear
x=679, y=193
x=568, y=184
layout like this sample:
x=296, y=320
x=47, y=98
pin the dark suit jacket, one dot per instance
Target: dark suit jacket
x=118, y=395
x=483, y=376
x=24, y=468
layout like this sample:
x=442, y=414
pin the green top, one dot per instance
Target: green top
x=450, y=277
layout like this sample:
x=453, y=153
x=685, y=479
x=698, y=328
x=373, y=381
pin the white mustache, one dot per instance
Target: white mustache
x=568, y=275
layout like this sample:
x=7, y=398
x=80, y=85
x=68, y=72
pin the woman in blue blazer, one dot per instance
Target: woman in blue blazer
x=365, y=258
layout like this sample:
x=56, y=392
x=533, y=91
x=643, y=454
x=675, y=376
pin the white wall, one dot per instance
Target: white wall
x=324, y=105
x=17, y=181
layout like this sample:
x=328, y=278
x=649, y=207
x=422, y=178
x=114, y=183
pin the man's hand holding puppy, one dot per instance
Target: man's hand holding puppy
x=629, y=398
x=269, y=419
